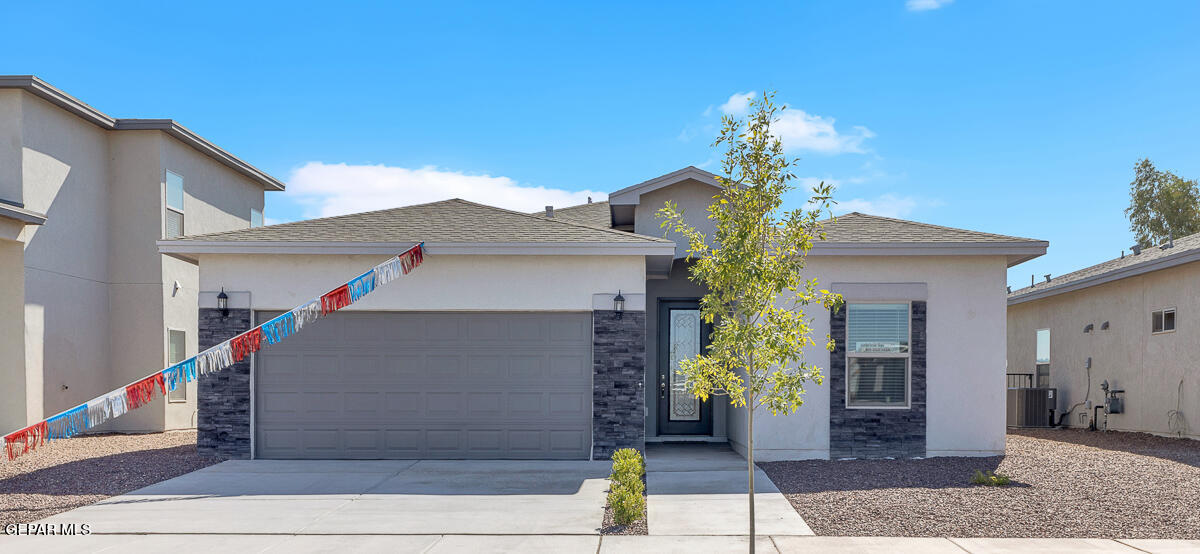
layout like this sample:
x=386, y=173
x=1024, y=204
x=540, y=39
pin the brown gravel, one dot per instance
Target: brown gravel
x=1066, y=483
x=67, y=474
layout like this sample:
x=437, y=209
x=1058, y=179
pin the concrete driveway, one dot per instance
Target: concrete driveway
x=265, y=497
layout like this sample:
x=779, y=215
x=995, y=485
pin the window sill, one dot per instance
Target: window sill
x=904, y=407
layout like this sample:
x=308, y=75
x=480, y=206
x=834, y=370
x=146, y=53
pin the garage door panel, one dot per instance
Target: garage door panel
x=428, y=385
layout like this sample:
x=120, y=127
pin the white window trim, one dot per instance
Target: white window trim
x=169, y=363
x=1164, y=312
x=906, y=355
x=166, y=203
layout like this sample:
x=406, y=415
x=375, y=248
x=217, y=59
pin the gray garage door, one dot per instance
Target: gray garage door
x=372, y=385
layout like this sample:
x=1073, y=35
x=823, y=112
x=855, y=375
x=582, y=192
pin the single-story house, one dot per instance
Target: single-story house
x=1129, y=321
x=508, y=342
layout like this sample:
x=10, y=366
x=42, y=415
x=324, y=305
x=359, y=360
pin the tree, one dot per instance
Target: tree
x=752, y=267
x=1162, y=205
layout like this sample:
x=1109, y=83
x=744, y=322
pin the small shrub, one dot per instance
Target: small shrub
x=626, y=496
x=990, y=479
x=627, y=503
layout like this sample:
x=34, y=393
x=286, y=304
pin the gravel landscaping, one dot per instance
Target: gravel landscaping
x=67, y=474
x=1065, y=483
x=609, y=525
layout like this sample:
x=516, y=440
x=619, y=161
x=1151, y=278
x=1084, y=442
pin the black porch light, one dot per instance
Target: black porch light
x=619, y=304
x=223, y=303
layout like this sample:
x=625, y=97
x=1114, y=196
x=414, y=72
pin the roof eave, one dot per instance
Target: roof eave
x=49, y=93
x=1114, y=275
x=28, y=217
x=195, y=247
x=1015, y=252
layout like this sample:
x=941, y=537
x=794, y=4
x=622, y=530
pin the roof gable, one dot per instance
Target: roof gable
x=632, y=195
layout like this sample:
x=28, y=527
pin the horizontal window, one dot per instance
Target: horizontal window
x=1162, y=321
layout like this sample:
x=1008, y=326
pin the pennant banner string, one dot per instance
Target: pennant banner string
x=119, y=401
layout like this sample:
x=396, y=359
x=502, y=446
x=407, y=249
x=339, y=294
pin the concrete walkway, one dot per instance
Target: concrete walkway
x=700, y=489
x=480, y=544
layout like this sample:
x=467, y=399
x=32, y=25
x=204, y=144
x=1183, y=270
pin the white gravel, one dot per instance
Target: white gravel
x=67, y=474
x=1066, y=483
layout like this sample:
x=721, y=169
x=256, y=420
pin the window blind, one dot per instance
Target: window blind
x=174, y=224
x=878, y=381
x=877, y=328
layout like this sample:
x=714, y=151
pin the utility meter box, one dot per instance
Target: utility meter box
x=1114, y=403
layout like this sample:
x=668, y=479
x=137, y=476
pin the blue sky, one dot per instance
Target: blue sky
x=1022, y=118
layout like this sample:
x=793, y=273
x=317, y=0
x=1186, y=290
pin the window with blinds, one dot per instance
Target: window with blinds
x=877, y=351
x=177, y=352
x=174, y=205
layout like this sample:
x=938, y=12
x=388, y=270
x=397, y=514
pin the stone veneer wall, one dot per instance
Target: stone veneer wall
x=223, y=422
x=867, y=433
x=618, y=377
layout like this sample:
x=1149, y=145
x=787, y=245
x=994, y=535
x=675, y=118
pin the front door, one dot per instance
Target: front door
x=682, y=334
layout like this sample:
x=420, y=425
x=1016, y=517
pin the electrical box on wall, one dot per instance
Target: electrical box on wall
x=1115, y=403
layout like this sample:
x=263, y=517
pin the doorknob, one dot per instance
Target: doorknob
x=662, y=386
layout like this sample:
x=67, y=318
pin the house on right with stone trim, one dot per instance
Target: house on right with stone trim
x=559, y=334
x=1130, y=322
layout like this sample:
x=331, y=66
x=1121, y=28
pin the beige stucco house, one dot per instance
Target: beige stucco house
x=508, y=341
x=87, y=304
x=1130, y=321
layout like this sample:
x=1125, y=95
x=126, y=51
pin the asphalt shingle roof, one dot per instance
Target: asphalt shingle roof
x=857, y=227
x=1150, y=254
x=449, y=221
x=596, y=214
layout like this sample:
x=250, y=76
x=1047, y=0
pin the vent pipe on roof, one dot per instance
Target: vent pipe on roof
x=1137, y=249
x=1170, y=242
x=589, y=200
x=549, y=211
x=1047, y=277
x=1032, y=280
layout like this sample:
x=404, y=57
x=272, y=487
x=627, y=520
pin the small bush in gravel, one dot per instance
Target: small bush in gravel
x=990, y=479
x=626, y=496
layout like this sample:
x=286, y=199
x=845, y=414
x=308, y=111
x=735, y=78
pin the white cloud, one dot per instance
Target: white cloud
x=337, y=189
x=926, y=5
x=888, y=205
x=737, y=105
x=800, y=130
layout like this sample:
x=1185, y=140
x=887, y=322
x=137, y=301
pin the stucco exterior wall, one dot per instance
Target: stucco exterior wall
x=965, y=330
x=1149, y=367
x=15, y=410
x=64, y=169
x=10, y=146
x=451, y=282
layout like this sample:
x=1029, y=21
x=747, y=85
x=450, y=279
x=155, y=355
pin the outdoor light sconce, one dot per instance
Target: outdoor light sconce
x=223, y=303
x=1088, y=328
x=619, y=305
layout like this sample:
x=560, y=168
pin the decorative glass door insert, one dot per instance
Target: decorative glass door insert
x=684, y=344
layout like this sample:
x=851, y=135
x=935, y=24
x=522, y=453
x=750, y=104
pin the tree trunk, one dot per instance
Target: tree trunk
x=750, y=465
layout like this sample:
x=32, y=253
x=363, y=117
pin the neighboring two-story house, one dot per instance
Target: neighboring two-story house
x=87, y=303
x=509, y=342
